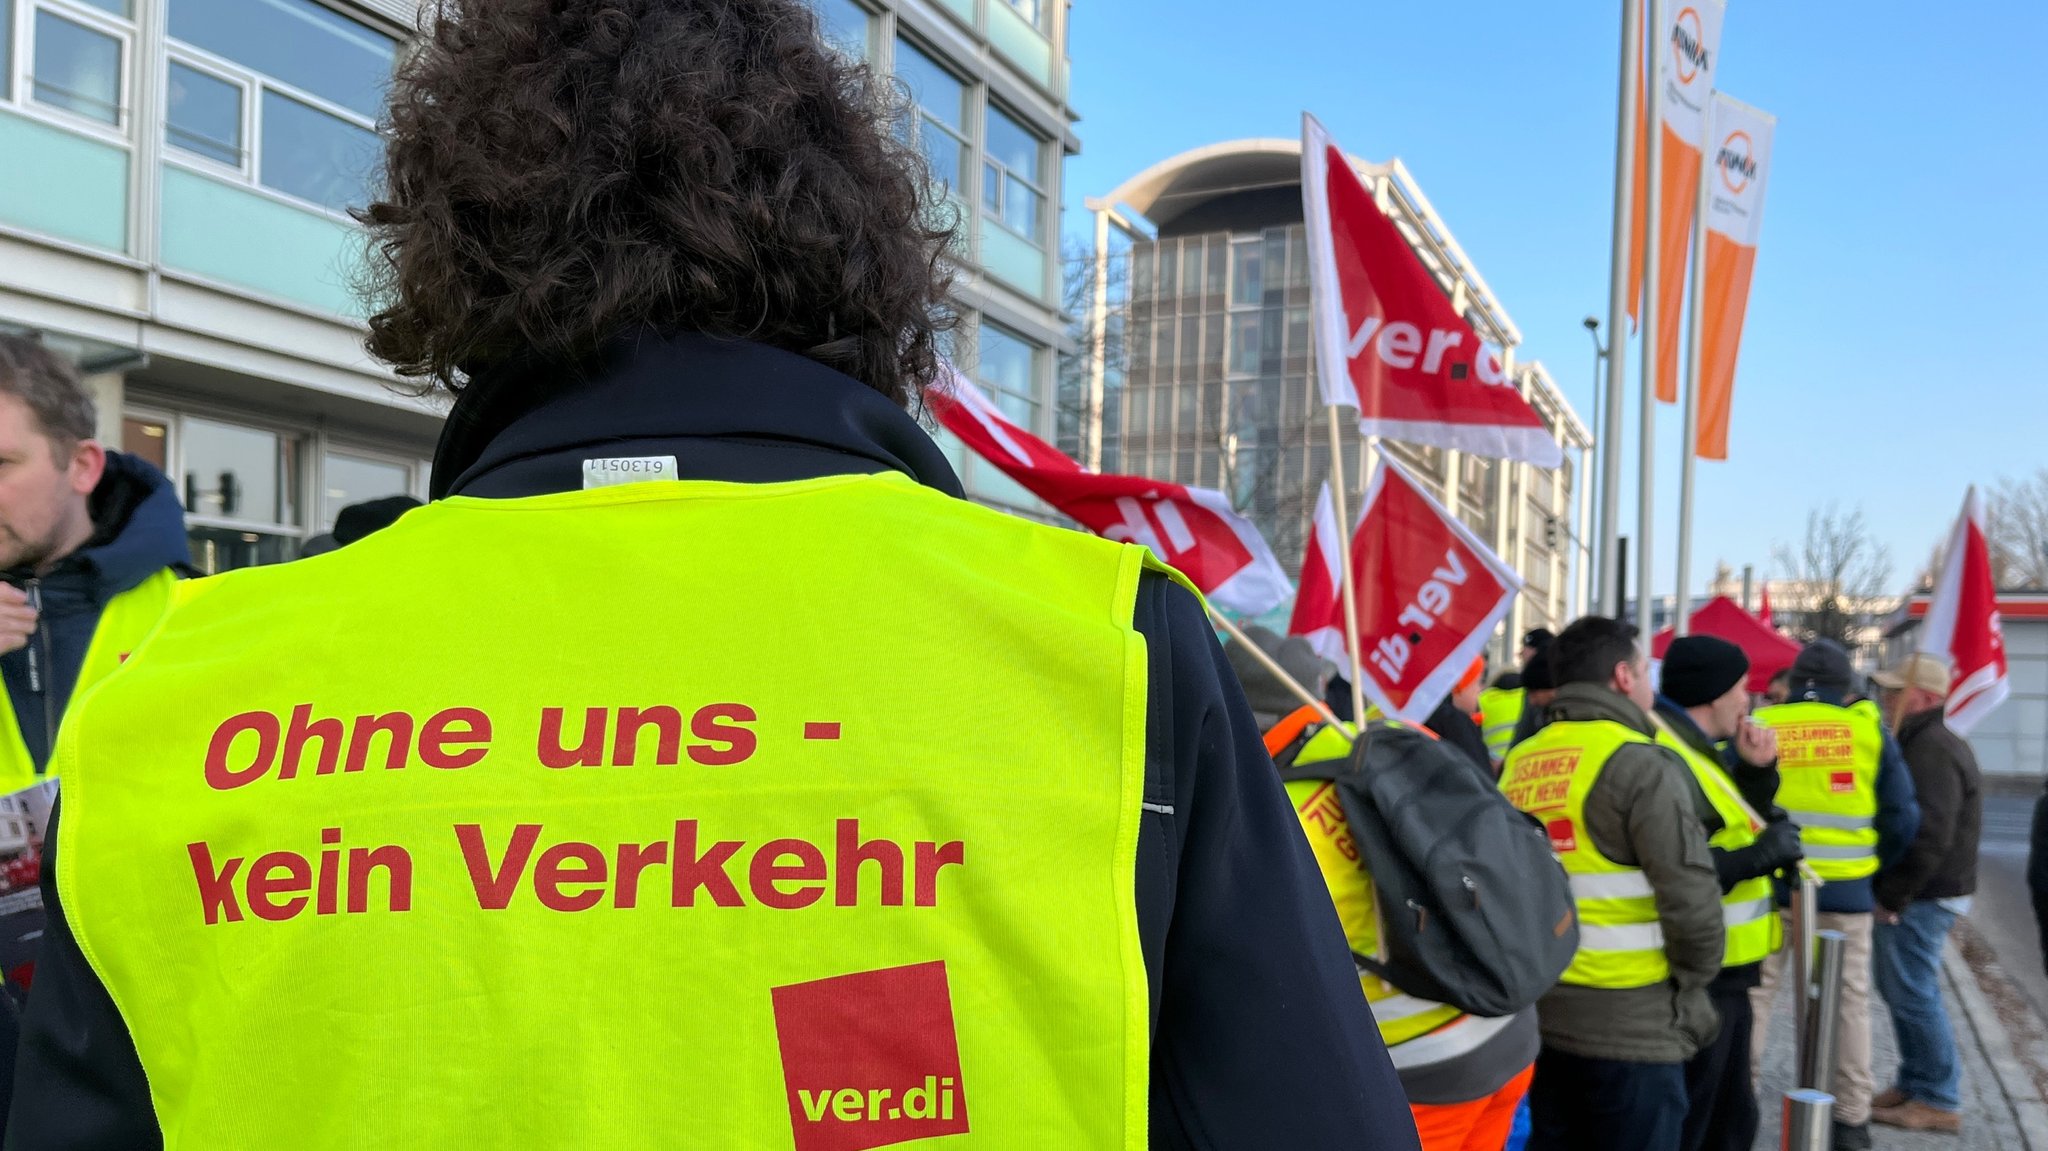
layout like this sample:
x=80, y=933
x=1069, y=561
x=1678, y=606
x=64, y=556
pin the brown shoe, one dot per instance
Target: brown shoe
x=1887, y=1099
x=1914, y=1115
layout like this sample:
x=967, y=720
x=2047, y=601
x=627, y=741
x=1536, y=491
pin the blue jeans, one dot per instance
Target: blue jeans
x=1907, y=958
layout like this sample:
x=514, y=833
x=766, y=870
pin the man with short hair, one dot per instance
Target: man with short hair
x=90, y=542
x=1842, y=779
x=1703, y=714
x=1633, y=1006
x=1919, y=897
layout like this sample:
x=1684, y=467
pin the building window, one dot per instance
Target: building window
x=1247, y=281
x=347, y=478
x=6, y=49
x=76, y=67
x=1013, y=177
x=1008, y=366
x=939, y=124
x=1037, y=13
x=205, y=115
x=1245, y=348
x=844, y=25
x=239, y=473
x=301, y=82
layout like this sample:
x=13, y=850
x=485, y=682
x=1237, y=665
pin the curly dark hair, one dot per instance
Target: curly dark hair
x=561, y=173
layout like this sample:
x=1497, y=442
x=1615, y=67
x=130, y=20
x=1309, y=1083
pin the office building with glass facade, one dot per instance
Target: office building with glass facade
x=174, y=184
x=1193, y=363
x=988, y=84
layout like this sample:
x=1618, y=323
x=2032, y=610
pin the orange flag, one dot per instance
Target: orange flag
x=1735, y=217
x=1685, y=51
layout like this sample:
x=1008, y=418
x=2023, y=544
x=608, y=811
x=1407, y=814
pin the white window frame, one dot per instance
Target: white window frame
x=415, y=470
x=253, y=84
x=921, y=119
x=22, y=79
x=173, y=420
x=996, y=391
x=1001, y=172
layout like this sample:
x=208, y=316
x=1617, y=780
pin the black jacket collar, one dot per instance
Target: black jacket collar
x=725, y=409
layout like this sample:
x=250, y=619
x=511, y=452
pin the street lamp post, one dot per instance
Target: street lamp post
x=1597, y=557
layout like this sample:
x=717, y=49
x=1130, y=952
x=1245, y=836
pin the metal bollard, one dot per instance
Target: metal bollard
x=1823, y=1016
x=1809, y=1120
x=1805, y=920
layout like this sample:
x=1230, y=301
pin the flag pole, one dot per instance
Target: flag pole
x=1695, y=352
x=1293, y=685
x=1344, y=565
x=1646, y=490
x=1610, y=433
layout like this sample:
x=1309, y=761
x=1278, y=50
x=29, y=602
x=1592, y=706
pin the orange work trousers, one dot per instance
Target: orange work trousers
x=1480, y=1125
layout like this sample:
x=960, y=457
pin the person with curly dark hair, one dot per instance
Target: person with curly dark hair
x=700, y=769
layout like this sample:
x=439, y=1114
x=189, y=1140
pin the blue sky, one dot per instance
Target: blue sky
x=1894, y=348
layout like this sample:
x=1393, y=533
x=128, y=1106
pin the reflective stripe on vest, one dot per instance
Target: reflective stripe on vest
x=352, y=840
x=124, y=623
x=1402, y=1018
x=1548, y=775
x=1500, y=709
x=1462, y=1036
x=1828, y=759
x=1749, y=911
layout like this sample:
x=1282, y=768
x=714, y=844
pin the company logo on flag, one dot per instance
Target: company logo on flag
x=1319, y=596
x=1962, y=624
x=1685, y=52
x=1429, y=594
x=870, y=1059
x=1735, y=218
x=1193, y=529
x=1388, y=341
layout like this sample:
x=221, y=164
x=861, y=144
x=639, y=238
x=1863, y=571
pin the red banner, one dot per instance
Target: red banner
x=1388, y=340
x=1429, y=595
x=1193, y=529
x=1319, y=596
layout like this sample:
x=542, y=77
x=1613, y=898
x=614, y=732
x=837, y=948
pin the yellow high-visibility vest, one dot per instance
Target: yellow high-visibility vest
x=1621, y=941
x=123, y=623
x=1749, y=912
x=797, y=815
x=1828, y=758
x=1500, y=709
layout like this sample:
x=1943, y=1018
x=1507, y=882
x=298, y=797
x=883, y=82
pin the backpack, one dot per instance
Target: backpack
x=1475, y=910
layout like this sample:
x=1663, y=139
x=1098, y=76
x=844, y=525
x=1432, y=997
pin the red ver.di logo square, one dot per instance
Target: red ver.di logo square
x=871, y=1059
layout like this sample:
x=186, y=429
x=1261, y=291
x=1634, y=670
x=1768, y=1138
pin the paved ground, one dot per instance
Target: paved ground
x=1994, y=1120
x=2003, y=911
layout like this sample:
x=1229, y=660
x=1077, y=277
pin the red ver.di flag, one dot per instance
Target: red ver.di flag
x=1388, y=340
x=1319, y=598
x=1429, y=595
x=1193, y=529
x=1962, y=622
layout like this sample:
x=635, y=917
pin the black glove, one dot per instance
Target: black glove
x=1776, y=848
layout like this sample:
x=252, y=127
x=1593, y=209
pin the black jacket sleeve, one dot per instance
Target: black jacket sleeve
x=78, y=1083
x=1262, y=1037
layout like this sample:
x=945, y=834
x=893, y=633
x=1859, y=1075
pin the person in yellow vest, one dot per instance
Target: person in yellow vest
x=90, y=542
x=1844, y=782
x=1504, y=706
x=698, y=768
x=1703, y=714
x=1464, y=1076
x=1633, y=1007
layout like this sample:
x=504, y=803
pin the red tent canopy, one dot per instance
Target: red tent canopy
x=1769, y=653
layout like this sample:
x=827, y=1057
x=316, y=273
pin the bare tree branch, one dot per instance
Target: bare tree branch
x=2018, y=531
x=1840, y=566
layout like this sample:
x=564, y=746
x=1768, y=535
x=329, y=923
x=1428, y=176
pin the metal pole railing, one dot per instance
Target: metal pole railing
x=1817, y=1067
x=1809, y=1120
x=1805, y=920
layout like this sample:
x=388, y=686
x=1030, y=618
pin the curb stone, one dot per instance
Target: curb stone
x=2014, y=1081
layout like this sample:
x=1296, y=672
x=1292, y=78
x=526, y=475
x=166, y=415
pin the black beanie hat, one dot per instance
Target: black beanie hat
x=1699, y=669
x=1536, y=675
